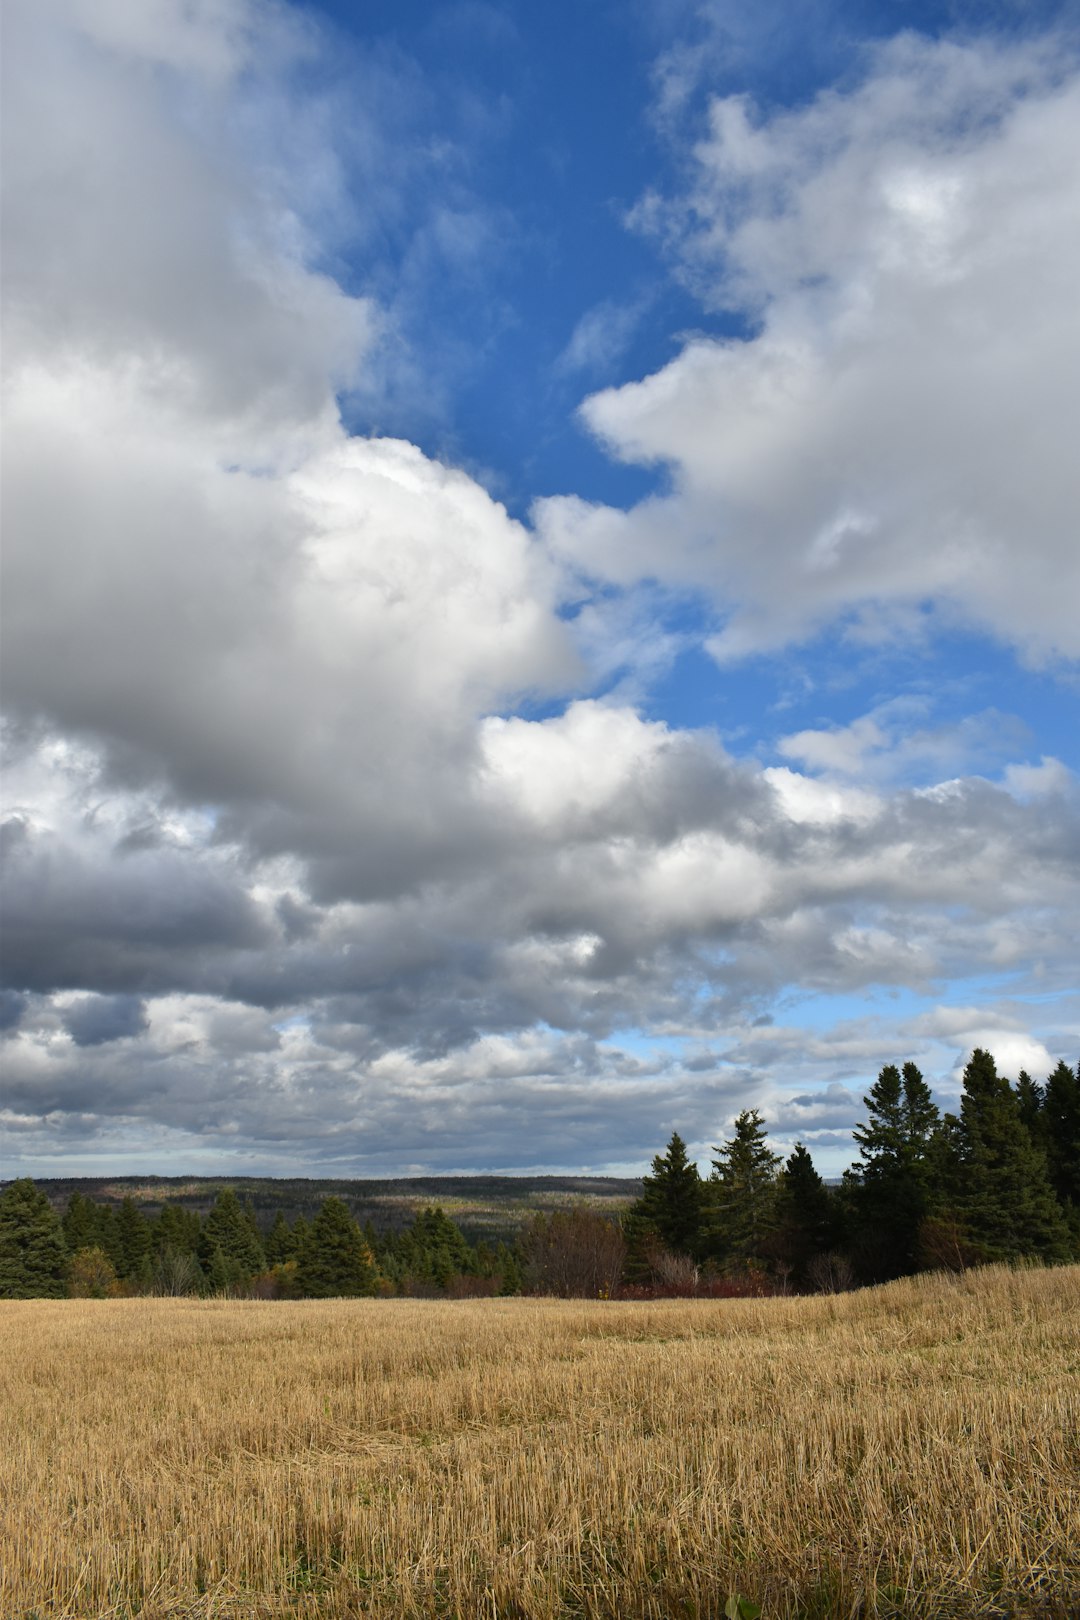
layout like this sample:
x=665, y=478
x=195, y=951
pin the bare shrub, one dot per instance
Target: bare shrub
x=573, y=1253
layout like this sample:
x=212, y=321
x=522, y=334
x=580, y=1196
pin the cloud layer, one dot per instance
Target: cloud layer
x=323, y=844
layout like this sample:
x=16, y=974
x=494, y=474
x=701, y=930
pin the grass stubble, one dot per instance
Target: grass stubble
x=912, y=1450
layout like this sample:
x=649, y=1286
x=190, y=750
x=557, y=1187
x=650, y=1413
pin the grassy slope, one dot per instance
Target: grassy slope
x=907, y=1451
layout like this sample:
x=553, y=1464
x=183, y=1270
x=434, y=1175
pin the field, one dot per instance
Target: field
x=907, y=1451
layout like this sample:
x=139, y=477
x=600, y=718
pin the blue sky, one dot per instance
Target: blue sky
x=541, y=574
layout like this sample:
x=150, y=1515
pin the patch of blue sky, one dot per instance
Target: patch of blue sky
x=644, y=1044
x=820, y=1010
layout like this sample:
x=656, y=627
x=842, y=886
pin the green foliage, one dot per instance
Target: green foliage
x=1061, y=1132
x=33, y=1254
x=230, y=1229
x=741, y=1608
x=805, y=1217
x=281, y=1242
x=892, y=1190
x=335, y=1260
x=133, y=1240
x=1006, y=1199
x=672, y=1200
x=743, y=1188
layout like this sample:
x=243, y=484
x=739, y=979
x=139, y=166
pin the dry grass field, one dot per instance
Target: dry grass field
x=906, y=1451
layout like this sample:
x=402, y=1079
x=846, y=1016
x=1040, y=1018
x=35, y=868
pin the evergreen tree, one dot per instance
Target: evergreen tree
x=80, y=1223
x=335, y=1260
x=889, y=1193
x=1007, y=1201
x=176, y=1230
x=433, y=1250
x=1029, y=1097
x=805, y=1217
x=229, y=1227
x=133, y=1240
x=743, y=1189
x=108, y=1235
x=1061, y=1126
x=280, y=1241
x=33, y=1254
x=672, y=1200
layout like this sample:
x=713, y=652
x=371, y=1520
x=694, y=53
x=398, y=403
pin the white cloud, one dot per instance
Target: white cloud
x=285, y=862
x=897, y=430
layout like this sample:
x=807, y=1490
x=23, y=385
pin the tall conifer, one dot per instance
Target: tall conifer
x=1007, y=1200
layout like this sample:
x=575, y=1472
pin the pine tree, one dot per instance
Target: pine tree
x=1007, y=1201
x=743, y=1195
x=672, y=1200
x=335, y=1260
x=33, y=1254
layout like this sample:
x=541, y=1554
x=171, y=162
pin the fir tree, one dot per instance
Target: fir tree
x=335, y=1260
x=672, y=1200
x=743, y=1189
x=33, y=1254
x=1007, y=1201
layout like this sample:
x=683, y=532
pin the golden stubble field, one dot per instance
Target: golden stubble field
x=907, y=1451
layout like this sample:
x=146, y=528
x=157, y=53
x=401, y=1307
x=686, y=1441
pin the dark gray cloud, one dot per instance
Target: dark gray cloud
x=289, y=878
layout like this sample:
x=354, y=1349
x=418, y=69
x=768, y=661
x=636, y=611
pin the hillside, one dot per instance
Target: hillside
x=493, y=1207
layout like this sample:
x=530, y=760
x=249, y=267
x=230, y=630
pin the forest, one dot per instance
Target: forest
x=999, y=1181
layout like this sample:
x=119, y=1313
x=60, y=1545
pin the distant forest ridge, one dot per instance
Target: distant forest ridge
x=483, y=1206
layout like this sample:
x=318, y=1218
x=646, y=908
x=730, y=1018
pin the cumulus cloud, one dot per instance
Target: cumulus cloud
x=893, y=432
x=296, y=867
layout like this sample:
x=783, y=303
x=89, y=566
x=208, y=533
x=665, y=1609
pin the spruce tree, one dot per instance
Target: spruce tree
x=335, y=1260
x=133, y=1238
x=1029, y=1097
x=672, y=1200
x=229, y=1227
x=1061, y=1125
x=280, y=1241
x=1007, y=1201
x=80, y=1223
x=805, y=1217
x=889, y=1193
x=743, y=1195
x=33, y=1254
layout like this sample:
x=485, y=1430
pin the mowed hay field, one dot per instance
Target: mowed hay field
x=909, y=1450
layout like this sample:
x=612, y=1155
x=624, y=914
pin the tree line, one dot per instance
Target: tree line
x=998, y=1181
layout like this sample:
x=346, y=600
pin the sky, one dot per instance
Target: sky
x=540, y=574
